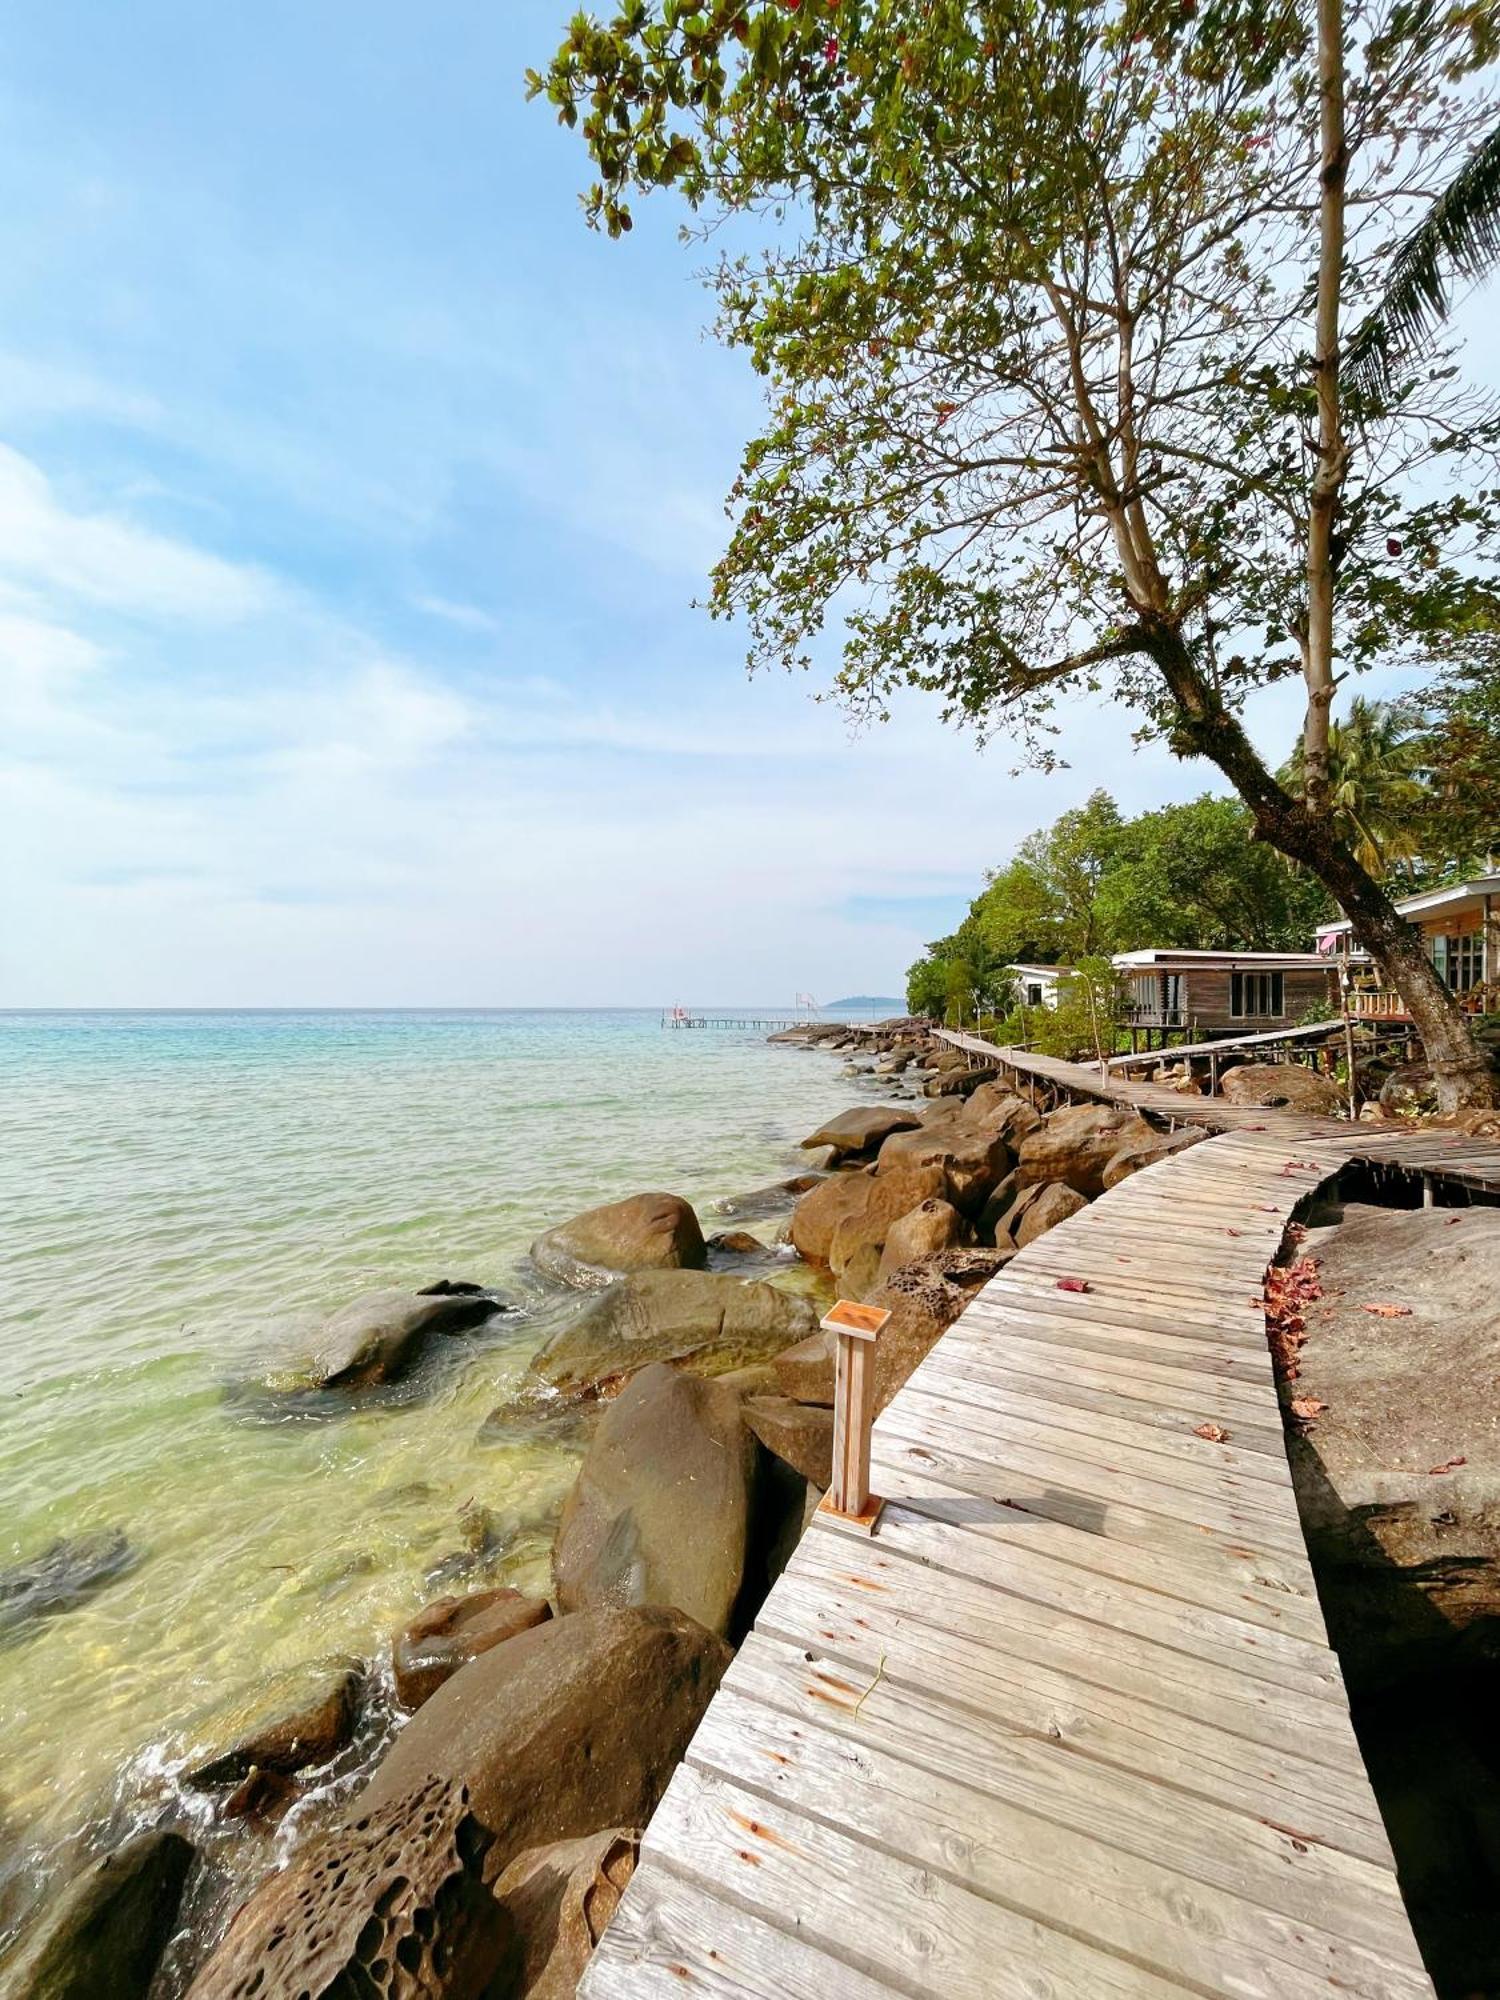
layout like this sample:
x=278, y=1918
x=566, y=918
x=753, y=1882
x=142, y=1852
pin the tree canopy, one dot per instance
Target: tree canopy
x=1047, y=295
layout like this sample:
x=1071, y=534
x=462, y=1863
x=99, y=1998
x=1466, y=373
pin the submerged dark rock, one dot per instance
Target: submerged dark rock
x=62, y=1575
x=103, y=1937
x=376, y=1338
x=293, y=1720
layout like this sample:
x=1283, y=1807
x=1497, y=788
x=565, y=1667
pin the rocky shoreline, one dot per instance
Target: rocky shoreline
x=527, y=1738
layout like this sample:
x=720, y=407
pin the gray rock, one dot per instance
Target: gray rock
x=706, y=1320
x=103, y=1937
x=1277, y=1084
x=64, y=1574
x=858, y=1134
x=376, y=1338
x=660, y=1512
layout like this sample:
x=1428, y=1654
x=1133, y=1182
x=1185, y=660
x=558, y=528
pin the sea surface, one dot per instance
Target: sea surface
x=183, y=1196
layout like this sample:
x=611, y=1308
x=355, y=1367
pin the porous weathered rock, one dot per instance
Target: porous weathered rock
x=801, y=1434
x=1076, y=1144
x=576, y=1723
x=645, y=1232
x=447, y=1634
x=660, y=1511
x=393, y=1905
x=805, y=1372
x=866, y=1204
x=290, y=1720
x=1053, y=1203
x=1282, y=1084
x=705, y=1320
x=924, y=1299
x=377, y=1337
x=932, y=1226
x=102, y=1937
x=857, y=1134
x=62, y=1575
x=558, y=1900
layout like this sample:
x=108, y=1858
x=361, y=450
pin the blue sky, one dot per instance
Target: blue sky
x=353, y=497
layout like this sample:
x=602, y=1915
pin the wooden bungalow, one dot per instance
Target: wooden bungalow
x=1461, y=928
x=1207, y=995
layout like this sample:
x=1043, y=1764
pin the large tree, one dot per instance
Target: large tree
x=1049, y=296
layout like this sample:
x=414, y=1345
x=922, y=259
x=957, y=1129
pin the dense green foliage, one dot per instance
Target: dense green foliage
x=1094, y=882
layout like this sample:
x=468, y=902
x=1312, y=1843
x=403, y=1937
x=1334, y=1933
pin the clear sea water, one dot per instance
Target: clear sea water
x=183, y=1196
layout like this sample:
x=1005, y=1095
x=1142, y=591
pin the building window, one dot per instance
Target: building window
x=1034, y=994
x=1256, y=995
x=1459, y=961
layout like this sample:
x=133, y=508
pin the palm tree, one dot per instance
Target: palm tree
x=1458, y=237
x=1375, y=779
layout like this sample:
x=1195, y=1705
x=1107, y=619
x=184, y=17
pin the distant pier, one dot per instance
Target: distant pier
x=684, y=1017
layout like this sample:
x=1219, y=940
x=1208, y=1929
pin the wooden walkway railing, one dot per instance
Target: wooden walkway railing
x=1069, y=1724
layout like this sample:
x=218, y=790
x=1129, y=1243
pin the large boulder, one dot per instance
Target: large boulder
x=973, y=1156
x=378, y=1336
x=800, y=1434
x=660, y=1512
x=103, y=1936
x=289, y=1721
x=1051, y=1204
x=935, y=1225
x=445, y=1635
x=705, y=1320
x=1282, y=1085
x=574, y=1725
x=1145, y=1152
x=958, y=1082
x=858, y=1133
x=645, y=1232
x=868, y=1203
x=1000, y=1108
x=558, y=1900
x=62, y=1575
x=1408, y=1092
x=1076, y=1144
x=924, y=1299
x=393, y=1905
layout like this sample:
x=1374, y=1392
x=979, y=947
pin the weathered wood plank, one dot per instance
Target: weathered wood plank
x=1120, y=1903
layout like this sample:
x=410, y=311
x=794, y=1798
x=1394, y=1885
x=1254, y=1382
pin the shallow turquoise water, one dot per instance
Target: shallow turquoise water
x=183, y=1196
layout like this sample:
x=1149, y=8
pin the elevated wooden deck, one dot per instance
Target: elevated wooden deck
x=1069, y=1724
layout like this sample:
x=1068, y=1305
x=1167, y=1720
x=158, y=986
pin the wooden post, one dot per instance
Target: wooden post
x=1428, y=1197
x=855, y=1329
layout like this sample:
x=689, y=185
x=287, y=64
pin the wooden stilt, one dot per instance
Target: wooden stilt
x=855, y=1328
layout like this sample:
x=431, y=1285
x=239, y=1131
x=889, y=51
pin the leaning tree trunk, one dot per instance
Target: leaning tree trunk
x=1462, y=1074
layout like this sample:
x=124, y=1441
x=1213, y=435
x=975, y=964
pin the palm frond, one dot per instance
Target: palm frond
x=1458, y=237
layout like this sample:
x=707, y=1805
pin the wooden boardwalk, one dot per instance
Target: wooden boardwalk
x=1068, y=1724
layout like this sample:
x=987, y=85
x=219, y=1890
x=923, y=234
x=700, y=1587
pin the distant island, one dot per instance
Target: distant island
x=883, y=1000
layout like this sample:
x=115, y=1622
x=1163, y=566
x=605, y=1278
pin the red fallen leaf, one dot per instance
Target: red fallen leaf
x=1215, y=1433
x=1450, y=1466
x=1268, y=1208
x=1074, y=1285
x=1388, y=1312
x=1451, y=1220
x=1234, y=1232
x=1307, y=1407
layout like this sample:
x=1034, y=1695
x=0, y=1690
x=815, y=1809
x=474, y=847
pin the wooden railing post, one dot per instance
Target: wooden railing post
x=855, y=1329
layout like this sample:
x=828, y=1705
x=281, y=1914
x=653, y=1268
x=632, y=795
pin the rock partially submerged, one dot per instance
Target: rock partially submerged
x=445, y=1635
x=660, y=1512
x=377, y=1337
x=558, y=1900
x=62, y=1575
x=577, y=1723
x=645, y=1232
x=290, y=1721
x=706, y=1320
x=394, y=1905
x=102, y=1938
